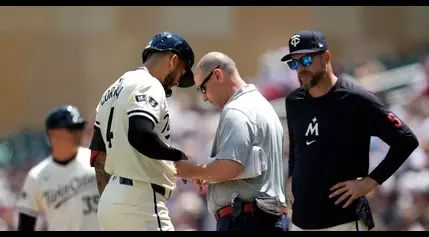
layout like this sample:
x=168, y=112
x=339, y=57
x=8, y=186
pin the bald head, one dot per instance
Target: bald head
x=214, y=59
x=217, y=79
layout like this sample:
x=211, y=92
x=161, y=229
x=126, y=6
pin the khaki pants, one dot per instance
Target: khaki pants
x=351, y=226
x=134, y=208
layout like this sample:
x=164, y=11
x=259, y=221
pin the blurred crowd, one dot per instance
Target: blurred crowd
x=401, y=203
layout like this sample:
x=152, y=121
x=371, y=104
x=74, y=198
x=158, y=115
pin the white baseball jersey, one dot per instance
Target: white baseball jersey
x=136, y=93
x=67, y=195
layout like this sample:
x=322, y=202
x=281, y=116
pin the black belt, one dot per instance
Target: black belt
x=157, y=188
x=247, y=207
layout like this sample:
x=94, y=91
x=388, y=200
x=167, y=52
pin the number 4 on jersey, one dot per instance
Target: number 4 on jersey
x=109, y=133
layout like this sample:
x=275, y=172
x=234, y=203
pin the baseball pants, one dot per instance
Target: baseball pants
x=350, y=226
x=133, y=206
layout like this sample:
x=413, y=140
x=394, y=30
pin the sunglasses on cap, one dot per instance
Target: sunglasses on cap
x=305, y=61
x=201, y=88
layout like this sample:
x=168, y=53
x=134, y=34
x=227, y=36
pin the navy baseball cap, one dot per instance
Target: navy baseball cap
x=306, y=42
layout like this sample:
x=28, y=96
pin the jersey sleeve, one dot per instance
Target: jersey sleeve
x=27, y=200
x=97, y=142
x=97, y=145
x=393, y=131
x=234, y=137
x=385, y=124
x=146, y=101
x=97, y=117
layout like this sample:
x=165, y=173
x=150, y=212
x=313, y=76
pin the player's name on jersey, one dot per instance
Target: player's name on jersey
x=63, y=193
x=112, y=92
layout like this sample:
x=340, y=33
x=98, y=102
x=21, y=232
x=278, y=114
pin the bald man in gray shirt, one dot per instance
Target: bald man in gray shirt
x=247, y=122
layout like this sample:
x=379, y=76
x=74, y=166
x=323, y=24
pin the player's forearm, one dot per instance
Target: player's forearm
x=151, y=146
x=142, y=137
x=102, y=176
x=396, y=156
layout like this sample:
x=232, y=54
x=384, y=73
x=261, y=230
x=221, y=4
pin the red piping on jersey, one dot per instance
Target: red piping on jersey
x=94, y=154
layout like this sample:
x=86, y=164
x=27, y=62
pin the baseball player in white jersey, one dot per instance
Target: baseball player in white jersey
x=130, y=148
x=62, y=186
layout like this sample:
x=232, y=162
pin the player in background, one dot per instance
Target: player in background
x=7, y=203
x=131, y=148
x=62, y=186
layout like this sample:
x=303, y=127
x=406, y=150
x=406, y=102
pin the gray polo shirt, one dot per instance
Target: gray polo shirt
x=248, y=120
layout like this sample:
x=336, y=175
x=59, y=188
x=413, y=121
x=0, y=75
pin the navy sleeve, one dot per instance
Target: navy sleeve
x=26, y=222
x=142, y=137
x=394, y=132
x=97, y=143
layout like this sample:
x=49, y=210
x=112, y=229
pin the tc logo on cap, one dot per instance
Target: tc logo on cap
x=294, y=40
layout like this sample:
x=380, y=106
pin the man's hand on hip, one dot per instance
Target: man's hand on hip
x=352, y=189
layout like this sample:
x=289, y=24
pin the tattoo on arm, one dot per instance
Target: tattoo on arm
x=102, y=176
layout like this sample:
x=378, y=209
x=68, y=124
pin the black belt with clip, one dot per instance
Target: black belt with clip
x=157, y=188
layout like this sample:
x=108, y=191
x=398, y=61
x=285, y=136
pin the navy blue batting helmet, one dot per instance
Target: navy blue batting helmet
x=173, y=42
x=67, y=117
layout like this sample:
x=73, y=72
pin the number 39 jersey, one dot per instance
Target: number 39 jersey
x=136, y=93
x=67, y=195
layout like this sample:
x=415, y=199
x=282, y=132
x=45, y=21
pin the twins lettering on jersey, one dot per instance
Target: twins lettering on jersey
x=112, y=92
x=62, y=194
x=312, y=130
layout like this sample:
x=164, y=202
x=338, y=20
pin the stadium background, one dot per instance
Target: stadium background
x=57, y=55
